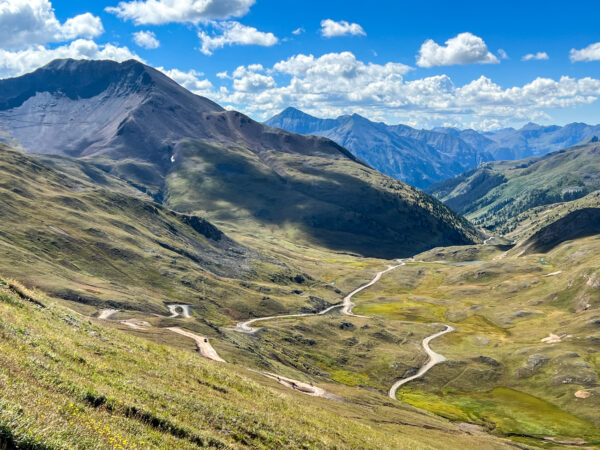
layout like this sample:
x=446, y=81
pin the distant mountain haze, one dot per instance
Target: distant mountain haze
x=496, y=194
x=190, y=154
x=530, y=140
x=424, y=157
x=417, y=157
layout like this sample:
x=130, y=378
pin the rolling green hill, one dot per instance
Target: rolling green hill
x=496, y=194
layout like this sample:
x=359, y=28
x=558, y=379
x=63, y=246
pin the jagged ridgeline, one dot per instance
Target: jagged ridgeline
x=193, y=156
x=416, y=157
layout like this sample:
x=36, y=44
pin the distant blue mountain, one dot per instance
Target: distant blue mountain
x=424, y=157
x=417, y=157
x=531, y=140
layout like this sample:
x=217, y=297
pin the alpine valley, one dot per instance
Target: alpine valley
x=177, y=275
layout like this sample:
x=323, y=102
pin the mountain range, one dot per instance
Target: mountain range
x=193, y=156
x=424, y=157
x=416, y=157
x=530, y=140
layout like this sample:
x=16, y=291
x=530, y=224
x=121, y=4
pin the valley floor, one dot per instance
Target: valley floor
x=487, y=312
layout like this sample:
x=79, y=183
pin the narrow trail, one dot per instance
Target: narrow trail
x=204, y=347
x=434, y=359
x=136, y=324
x=300, y=386
x=244, y=327
x=348, y=305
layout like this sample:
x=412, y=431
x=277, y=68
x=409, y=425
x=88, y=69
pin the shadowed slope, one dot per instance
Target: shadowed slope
x=133, y=122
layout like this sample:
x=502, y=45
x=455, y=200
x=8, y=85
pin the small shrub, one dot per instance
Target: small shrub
x=9, y=299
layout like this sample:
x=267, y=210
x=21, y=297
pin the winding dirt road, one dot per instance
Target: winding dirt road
x=244, y=327
x=434, y=359
x=207, y=350
x=202, y=343
x=346, y=305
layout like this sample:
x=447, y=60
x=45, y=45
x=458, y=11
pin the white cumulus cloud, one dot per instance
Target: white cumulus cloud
x=14, y=63
x=191, y=80
x=146, y=39
x=587, y=54
x=158, y=12
x=539, y=56
x=466, y=48
x=234, y=33
x=339, y=83
x=25, y=23
x=331, y=28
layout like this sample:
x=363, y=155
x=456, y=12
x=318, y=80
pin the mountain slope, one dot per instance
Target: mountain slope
x=133, y=122
x=69, y=381
x=496, y=193
x=103, y=247
x=417, y=157
x=579, y=223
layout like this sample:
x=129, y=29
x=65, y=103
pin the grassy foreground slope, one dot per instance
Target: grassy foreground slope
x=495, y=194
x=67, y=382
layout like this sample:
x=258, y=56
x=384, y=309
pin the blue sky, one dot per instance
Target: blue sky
x=425, y=63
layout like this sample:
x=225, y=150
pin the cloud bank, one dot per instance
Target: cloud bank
x=339, y=83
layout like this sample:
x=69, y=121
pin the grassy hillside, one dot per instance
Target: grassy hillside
x=495, y=194
x=67, y=382
x=577, y=224
x=101, y=248
x=523, y=359
x=321, y=201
